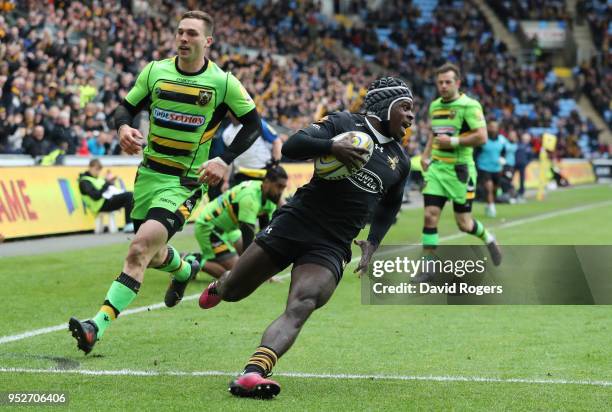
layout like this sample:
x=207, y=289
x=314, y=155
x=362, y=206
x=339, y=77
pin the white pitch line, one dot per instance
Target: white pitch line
x=478, y=379
x=518, y=222
x=64, y=326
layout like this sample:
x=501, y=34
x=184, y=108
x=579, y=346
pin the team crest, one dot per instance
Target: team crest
x=204, y=97
x=393, y=161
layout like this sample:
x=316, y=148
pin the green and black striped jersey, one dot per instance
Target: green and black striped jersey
x=455, y=118
x=186, y=110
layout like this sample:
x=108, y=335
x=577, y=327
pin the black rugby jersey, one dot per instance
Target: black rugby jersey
x=339, y=209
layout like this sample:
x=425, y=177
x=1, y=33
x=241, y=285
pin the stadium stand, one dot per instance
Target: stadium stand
x=524, y=97
x=513, y=11
x=594, y=77
x=67, y=67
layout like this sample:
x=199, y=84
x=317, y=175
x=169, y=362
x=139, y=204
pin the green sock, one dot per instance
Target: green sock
x=121, y=293
x=173, y=264
x=430, y=238
x=479, y=231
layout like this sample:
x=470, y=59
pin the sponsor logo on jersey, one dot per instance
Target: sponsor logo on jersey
x=185, y=80
x=378, y=147
x=178, y=118
x=438, y=130
x=164, y=200
x=367, y=180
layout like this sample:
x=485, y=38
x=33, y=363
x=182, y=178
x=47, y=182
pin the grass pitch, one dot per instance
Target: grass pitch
x=398, y=357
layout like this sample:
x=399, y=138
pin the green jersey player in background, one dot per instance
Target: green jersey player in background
x=230, y=219
x=457, y=126
x=187, y=96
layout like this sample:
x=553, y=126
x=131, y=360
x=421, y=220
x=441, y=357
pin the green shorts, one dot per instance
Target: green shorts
x=215, y=245
x=165, y=198
x=454, y=182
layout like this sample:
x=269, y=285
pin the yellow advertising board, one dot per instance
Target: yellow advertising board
x=46, y=200
x=299, y=174
x=36, y=200
x=576, y=171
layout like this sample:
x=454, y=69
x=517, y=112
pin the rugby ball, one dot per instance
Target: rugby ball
x=328, y=167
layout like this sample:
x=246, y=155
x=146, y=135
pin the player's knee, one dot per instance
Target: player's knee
x=464, y=226
x=298, y=310
x=137, y=253
x=431, y=219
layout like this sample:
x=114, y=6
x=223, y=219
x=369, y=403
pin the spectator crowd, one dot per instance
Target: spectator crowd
x=66, y=65
x=594, y=77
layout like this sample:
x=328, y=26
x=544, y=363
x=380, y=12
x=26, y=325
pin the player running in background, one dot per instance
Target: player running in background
x=314, y=230
x=509, y=167
x=457, y=125
x=187, y=96
x=232, y=216
x=489, y=164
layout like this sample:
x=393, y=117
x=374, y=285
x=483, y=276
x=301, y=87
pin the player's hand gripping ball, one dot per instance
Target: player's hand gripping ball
x=330, y=168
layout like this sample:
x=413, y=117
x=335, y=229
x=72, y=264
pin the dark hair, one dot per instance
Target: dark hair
x=275, y=172
x=449, y=67
x=209, y=22
x=95, y=163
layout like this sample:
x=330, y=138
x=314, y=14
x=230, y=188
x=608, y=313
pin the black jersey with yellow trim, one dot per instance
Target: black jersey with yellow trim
x=339, y=209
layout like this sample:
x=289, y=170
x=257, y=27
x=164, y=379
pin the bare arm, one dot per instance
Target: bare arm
x=277, y=146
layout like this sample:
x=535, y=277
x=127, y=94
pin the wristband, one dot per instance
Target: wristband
x=454, y=141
